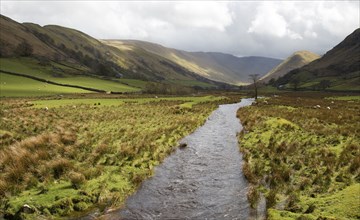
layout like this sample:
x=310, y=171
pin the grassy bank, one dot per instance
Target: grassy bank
x=70, y=157
x=302, y=152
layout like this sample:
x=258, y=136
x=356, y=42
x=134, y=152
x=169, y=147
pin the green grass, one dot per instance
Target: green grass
x=336, y=83
x=302, y=152
x=346, y=98
x=133, y=82
x=55, y=192
x=342, y=205
x=68, y=75
x=188, y=102
x=192, y=83
x=17, y=86
x=268, y=89
x=90, y=82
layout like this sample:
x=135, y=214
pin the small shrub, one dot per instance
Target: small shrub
x=310, y=209
x=293, y=203
x=253, y=196
x=355, y=165
x=76, y=179
x=81, y=206
x=60, y=166
x=271, y=199
x=250, y=176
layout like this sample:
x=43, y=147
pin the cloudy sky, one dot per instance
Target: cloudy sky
x=242, y=28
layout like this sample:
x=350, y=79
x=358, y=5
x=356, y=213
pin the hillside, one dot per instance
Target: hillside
x=338, y=69
x=296, y=60
x=216, y=66
x=53, y=45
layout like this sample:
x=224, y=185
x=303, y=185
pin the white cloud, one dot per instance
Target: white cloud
x=269, y=22
x=202, y=14
x=240, y=27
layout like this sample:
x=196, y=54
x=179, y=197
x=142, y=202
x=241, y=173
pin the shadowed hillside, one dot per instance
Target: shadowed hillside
x=216, y=66
x=70, y=47
x=338, y=69
x=127, y=59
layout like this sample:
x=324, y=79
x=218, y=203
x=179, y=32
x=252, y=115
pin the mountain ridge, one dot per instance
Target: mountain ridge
x=217, y=66
x=129, y=58
x=294, y=61
x=338, y=69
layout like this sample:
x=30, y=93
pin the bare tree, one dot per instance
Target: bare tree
x=255, y=79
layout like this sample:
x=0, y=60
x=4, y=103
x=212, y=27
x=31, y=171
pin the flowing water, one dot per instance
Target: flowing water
x=202, y=181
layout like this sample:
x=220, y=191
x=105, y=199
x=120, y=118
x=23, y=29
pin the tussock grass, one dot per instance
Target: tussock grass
x=301, y=148
x=67, y=159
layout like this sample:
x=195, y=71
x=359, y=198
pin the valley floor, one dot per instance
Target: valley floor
x=62, y=155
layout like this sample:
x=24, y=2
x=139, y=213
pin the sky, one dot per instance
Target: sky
x=242, y=28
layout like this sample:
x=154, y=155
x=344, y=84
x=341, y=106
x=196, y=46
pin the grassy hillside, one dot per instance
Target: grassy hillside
x=302, y=154
x=338, y=69
x=53, y=43
x=13, y=33
x=56, y=72
x=216, y=66
x=296, y=60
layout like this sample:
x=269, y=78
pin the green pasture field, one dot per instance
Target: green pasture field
x=17, y=86
x=192, y=83
x=68, y=75
x=346, y=98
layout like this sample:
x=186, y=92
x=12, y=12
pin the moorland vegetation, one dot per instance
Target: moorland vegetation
x=60, y=159
x=301, y=152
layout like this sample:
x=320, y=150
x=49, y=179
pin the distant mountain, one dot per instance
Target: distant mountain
x=296, y=60
x=338, y=69
x=216, y=66
x=125, y=58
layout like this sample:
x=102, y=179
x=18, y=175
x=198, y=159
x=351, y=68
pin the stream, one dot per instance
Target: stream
x=202, y=181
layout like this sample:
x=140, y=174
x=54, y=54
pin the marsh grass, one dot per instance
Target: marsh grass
x=67, y=159
x=300, y=148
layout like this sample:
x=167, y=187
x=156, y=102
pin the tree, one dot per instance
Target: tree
x=295, y=83
x=324, y=84
x=255, y=78
x=24, y=49
x=272, y=82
